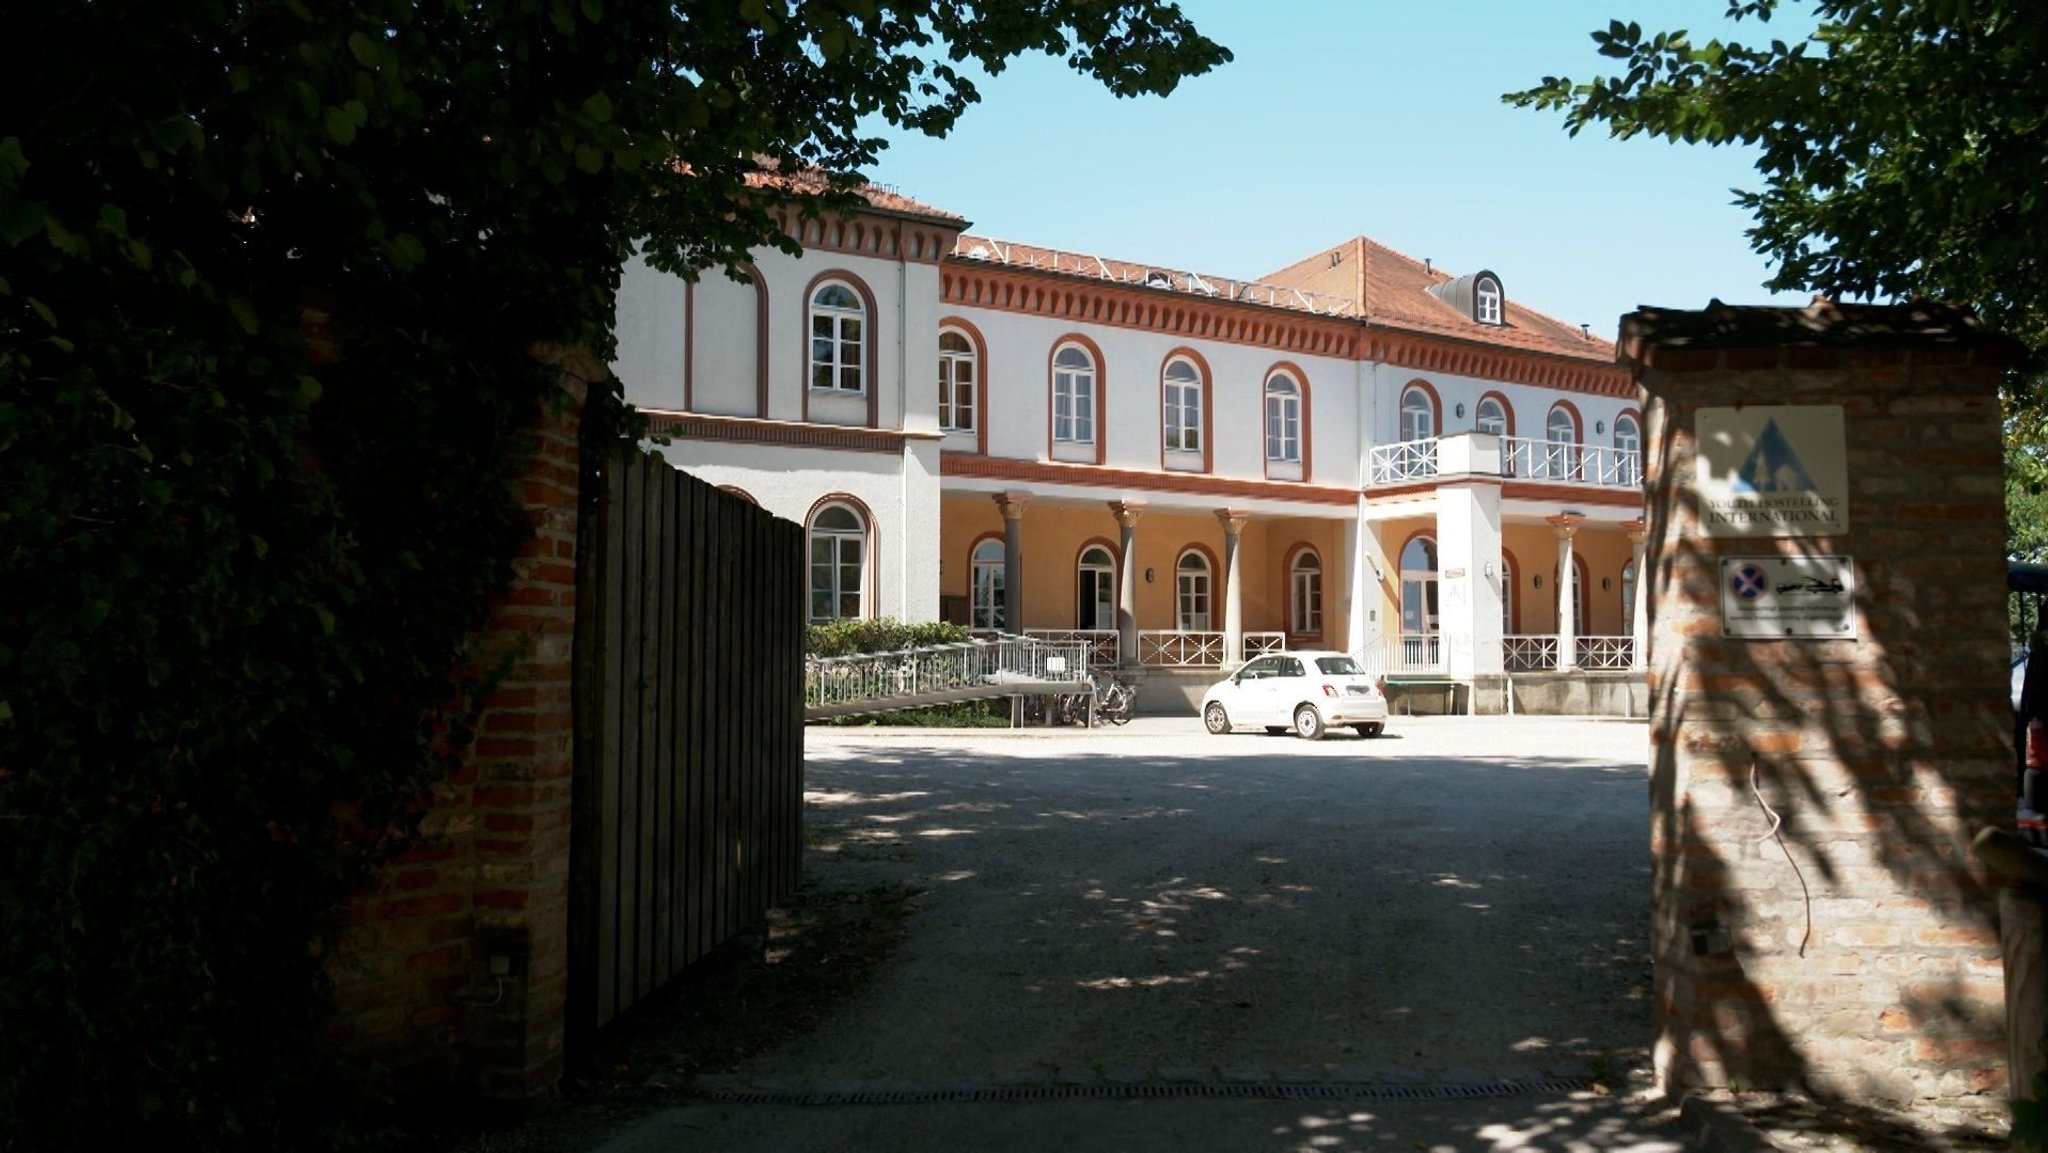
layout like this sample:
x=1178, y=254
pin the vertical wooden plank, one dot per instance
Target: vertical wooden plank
x=758, y=734
x=664, y=716
x=586, y=780
x=617, y=508
x=648, y=719
x=629, y=728
x=791, y=613
x=704, y=801
x=728, y=799
x=676, y=633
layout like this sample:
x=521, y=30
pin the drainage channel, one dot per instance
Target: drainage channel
x=1326, y=1091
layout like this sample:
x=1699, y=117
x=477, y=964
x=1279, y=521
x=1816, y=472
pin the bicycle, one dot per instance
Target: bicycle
x=1115, y=698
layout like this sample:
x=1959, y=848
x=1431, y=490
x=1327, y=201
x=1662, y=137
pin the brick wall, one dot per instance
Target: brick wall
x=415, y=977
x=1855, y=949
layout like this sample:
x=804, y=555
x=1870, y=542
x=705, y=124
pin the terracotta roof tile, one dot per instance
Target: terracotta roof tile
x=811, y=181
x=1359, y=279
x=1393, y=290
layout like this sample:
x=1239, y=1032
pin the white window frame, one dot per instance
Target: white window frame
x=1561, y=444
x=1480, y=422
x=1487, y=302
x=1192, y=585
x=957, y=371
x=846, y=560
x=1305, y=582
x=1073, y=395
x=987, y=603
x=1283, y=419
x=1418, y=420
x=838, y=339
x=1632, y=442
x=1181, y=399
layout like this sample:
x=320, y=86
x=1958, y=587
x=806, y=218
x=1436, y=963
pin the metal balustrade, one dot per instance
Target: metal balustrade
x=1180, y=648
x=1259, y=644
x=1605, y=654
x=1403, y=461
x=1522, y=458
x=1528, y=654
x=877, y=682
x=1563, y=463
x=1101, y=642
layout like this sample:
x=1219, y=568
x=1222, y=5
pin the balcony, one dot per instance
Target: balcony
x=1551, y=462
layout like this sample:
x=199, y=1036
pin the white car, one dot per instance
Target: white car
x=1307, y=691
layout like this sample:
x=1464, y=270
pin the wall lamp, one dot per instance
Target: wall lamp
x=1537, y=580
x=1599, y=426
x=1151, y=575
x=1461, y=410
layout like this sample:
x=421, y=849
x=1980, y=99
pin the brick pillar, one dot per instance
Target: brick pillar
x=1817, y=917
x=454, y=970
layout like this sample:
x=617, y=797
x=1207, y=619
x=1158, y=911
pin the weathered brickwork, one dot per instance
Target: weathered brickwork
x=490, y=879
x=1819, y=920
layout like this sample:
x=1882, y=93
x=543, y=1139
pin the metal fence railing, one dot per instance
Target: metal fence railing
x=908, y=674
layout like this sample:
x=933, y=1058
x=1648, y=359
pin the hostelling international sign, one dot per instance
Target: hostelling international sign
x=1772, y=470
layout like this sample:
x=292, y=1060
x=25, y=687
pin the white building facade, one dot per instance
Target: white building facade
x=1354, y=452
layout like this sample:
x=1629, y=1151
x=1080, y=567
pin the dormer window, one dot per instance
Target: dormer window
x=1486, y=301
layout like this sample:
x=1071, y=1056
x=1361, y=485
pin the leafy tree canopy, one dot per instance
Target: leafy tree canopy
x=240, y=558
x=1903, y=150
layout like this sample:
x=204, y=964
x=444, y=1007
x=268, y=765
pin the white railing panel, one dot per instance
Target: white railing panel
x=1523, y=458
x=1180, y=649
x=1404, y=461
x=1259, y=644
x=1421, y=653
x=1101, y=642
x=830, y=681
x=1529, y=654
x=1605, y=654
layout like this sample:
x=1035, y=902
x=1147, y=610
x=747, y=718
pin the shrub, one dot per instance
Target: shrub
x=881, y=635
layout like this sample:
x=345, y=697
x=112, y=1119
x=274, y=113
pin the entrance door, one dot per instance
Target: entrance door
x=1095, y=596
x=1419, y=610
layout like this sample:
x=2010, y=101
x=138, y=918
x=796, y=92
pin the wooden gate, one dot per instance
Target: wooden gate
x=689, y=715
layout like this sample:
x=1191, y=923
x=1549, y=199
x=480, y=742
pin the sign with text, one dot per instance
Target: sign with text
x=1774, y=597
x=1772, y=470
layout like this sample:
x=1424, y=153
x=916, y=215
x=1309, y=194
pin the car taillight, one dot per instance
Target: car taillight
x=1329, y=690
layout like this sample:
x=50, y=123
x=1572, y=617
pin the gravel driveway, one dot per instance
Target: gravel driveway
x=1464, y=898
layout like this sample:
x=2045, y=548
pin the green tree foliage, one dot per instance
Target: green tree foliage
x=1902, y=148
x=240, y=559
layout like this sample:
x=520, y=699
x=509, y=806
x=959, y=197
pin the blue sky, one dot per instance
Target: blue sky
x=1342, y=117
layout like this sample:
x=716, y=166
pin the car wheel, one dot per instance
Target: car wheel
x=1215, y=719
x=1370, y=730
x=1308, y=723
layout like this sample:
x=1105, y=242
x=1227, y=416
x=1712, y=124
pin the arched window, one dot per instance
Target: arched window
x=985, y=589
x=1095, y=600
x=1073, y=395
x=1182, y=402
x=1486, y=301
x=1418, y=414
x=956, y=381
x=1191, y=589
x=1491, y=416
x=1306, y=583
x=839, y=546
x=838, y=338
x=1283, y=419
x=1628, y=447
x=1561, y=454
x=1419, y=610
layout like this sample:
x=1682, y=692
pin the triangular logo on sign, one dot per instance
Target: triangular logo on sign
x=1772, y=466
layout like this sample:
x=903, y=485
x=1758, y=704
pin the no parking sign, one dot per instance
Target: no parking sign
x=1780, y=596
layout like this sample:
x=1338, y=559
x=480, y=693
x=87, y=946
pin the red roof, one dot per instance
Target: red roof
x=1392, y=290
x=810, y=182
x=1360, y=279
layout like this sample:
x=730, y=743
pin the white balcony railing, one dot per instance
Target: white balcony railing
x=1562, y=463
x=1403, y=461
x=1521, y=654
x=1259, y=644
x=1521, y=458
x=1180, y=648
x=1606, y=654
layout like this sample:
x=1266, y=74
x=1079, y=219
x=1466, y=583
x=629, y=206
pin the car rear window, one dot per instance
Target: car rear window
x=1338, y=666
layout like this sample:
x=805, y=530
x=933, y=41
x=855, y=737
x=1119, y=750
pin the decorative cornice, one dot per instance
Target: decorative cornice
x=1098, y=476
x=1037, y=292
x=882, y=235
x=779, y=433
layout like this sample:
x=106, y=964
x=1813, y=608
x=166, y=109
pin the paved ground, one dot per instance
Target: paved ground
x=1151, y=938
